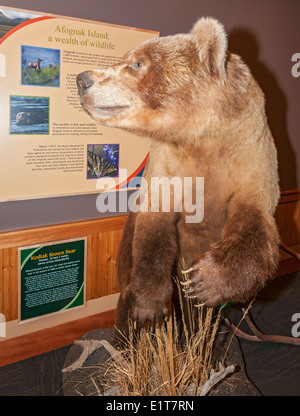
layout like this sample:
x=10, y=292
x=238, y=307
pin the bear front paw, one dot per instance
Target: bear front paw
x=207, y=283
x=151, y=311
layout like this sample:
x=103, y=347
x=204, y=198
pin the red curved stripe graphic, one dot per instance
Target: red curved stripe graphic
x=133, y=174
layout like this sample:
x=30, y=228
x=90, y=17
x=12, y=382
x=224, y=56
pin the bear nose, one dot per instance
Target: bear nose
x=84, y=81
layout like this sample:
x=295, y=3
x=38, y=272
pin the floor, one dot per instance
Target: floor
x=273, y=368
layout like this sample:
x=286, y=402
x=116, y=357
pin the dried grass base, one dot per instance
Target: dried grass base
x=161, y=361
x=173, y=359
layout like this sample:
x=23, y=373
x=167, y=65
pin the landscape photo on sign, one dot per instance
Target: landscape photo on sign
x=9, y=19
x=40, y=66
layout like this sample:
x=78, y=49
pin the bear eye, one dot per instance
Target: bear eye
x=136, y=65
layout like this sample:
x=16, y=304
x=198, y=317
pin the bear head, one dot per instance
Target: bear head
x=175, y=88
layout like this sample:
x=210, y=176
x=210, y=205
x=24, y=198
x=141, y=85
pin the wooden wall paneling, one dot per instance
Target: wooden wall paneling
x=103, y=256
x=95, y=260
x=117, y=236
x=13, y=281
x=288, y=221
x=1, y=282
x=39, y=342
x=103, y=242
x=288, y=217
x=106, y=266
x=9, y=283
x=89, y=269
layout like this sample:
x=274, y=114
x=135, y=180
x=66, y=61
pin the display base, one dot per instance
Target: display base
x=89, y=380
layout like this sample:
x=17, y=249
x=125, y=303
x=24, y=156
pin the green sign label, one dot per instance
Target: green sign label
x=52, y=278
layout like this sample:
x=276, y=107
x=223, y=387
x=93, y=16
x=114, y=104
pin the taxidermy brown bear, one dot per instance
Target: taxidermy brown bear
x=205, y=114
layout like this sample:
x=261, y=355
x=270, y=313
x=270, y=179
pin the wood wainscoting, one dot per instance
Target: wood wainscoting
x=103, y=240
x=288, y=221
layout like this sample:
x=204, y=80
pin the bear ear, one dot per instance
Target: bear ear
x=211, y=42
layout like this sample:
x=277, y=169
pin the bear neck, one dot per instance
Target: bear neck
x=219, y=138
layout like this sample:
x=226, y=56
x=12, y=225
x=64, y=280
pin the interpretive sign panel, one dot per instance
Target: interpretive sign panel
x=48, y=145
x=51, y=278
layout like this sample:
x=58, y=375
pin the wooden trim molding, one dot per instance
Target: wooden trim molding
x=64, y=231
x=287, y=266
x=287, y=217
x=289, y=196
x=39, y=342
x=288, y=221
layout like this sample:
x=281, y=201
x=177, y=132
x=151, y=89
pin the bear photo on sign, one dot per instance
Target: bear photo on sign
x=205, y=114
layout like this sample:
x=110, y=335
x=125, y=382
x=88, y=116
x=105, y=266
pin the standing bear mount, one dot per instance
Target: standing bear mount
x=205, y=114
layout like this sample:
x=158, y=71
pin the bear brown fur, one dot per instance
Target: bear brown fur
x=205, y=114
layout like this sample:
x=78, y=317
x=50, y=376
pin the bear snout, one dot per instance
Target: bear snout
x=83, y=81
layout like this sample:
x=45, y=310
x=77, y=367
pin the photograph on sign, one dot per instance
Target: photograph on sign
x=103, y=160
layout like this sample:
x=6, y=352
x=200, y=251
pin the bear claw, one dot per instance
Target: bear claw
x=191, y=269
x=186, y=282
x=192, y=297
x=188, y=290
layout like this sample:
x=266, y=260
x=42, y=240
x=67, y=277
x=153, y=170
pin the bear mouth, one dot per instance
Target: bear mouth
x=105, y=111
